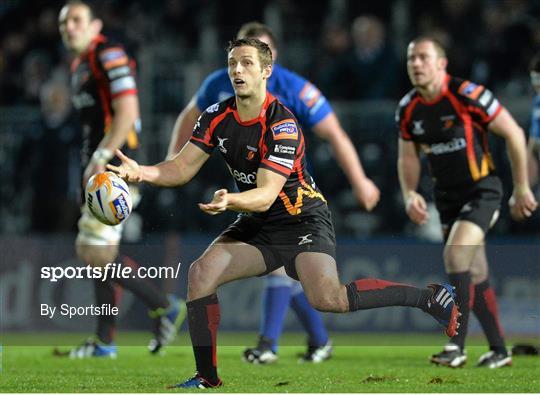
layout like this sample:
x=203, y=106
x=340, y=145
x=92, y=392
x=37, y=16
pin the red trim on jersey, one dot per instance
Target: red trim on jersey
x=285, y=171
x=267, y=101
x=213, y=316
x=213, y=124
x=407, y=118
x=124, y=93
x=440, y=96
x=369, y=284
x=469, y=134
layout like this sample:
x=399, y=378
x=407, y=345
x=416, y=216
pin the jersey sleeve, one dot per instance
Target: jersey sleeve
x=400, y=118
x=309, y=105
x=535, y=119
x=119, y=70
x=203, y=131
x=282, y=142
x=215, y=88
x=481, y=103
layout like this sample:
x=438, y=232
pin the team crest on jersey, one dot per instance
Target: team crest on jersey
x=470, y=89
x=251, y=152
x=418, y=129
x=285, y=129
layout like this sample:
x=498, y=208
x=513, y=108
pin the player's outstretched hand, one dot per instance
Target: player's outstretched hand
x=416, y=208
x=522, y=204
x=218, y=203
x=368, y=194
x=129, y=170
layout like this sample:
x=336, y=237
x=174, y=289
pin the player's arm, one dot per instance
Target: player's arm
x=364, y=189
x=126, y=114
x=170, y=173
x=183, y=127
x=257, y=200
x=522, y=202
x=533, y=147
x=409, y=169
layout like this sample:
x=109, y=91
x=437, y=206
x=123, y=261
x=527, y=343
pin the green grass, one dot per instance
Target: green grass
x=358, y=366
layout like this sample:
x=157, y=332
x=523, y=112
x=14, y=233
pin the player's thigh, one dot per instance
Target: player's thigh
x=318, y=275
x=463, y=242
x=223, y=261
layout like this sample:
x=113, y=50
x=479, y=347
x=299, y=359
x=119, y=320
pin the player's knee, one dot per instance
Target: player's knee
x=200, y=277
x=97, y=255
x=455, y=258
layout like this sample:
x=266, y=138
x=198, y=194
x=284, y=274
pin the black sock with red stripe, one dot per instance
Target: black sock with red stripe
x=106, y=293
x=370, y=293
x=462, y=283
x=203, y=319
x=142, y=288
x=485, y=309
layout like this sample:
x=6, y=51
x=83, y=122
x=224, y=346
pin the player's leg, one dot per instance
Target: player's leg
x=274, y=305
x=319, y=345
x=484, y=305
x=225, y=260
x=463, y=242
x=318, y=274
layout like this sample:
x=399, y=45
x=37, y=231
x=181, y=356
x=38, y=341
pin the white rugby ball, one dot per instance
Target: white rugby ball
x=108, y=198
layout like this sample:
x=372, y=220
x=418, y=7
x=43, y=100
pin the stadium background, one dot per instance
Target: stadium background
x=176, y=44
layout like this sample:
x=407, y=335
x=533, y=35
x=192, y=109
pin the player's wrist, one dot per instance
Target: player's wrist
x=102, y=156
x=521, y=189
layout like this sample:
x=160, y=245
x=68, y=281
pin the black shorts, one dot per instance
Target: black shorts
x=281, y=241
x=478, y=203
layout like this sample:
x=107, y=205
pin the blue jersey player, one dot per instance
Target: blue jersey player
x=314, y=113
x=534, y=136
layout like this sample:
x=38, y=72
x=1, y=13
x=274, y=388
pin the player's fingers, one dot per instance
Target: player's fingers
x=113, y=168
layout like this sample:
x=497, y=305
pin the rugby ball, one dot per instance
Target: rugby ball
x=108, y=198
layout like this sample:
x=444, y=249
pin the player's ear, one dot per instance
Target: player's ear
x=267, y=71
x=97, y=25
x=443, y=62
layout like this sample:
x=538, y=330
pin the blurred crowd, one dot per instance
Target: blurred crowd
x=352, y=50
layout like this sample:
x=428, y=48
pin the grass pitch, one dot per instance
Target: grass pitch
x=375, y=363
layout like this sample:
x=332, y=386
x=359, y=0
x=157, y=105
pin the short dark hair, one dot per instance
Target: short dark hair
x=439, y=47
x=535, y=63
x=91, y=11
x=256, y=29
x=264, y=51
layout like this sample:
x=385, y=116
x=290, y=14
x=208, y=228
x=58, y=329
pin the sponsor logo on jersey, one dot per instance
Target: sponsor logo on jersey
x=221, y=142
x=493, y=107
x=284, y=149
x=456, y=144
x=212, y=108
x=118, y=72
x=470, y=89
x=116, y=62
x=305, y=239
x=310, y=94
x=288, y=163
x=250, y=178
x=418, y=128
x=285, y=129
x=123, y=84
x=111, y=54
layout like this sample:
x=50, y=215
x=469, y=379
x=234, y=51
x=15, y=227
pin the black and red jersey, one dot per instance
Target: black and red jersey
x=273, y=141
x=451, y=130
x=101, y=74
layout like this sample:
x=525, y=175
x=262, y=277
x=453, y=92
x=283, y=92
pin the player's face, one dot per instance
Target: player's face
x=535, y=81
x=245, y=71
x=77, y=28
x=424, y=64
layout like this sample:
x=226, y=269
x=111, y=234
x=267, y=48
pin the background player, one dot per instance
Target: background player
x=105, y=95
x=534, y=135
x=448, y=119
x=284, y=218
x=314, y=113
